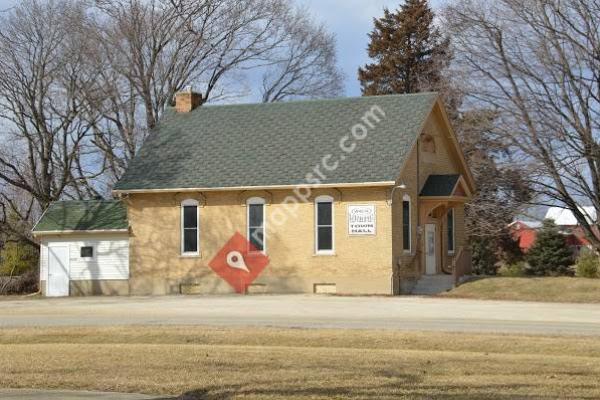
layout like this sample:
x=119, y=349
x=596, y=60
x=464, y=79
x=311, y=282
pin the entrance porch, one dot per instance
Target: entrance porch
x=443, y=244
x=443, y=257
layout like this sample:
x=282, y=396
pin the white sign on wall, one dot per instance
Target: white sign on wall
x=361, y=220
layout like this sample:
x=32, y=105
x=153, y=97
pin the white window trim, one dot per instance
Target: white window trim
x=190, y=203
x=93, y=257
x=254, y=201
x=409, y=250
x=451, y=252
x=324, y=199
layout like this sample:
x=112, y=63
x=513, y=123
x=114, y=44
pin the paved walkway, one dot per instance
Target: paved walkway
x=27, y=394
x=308, y=311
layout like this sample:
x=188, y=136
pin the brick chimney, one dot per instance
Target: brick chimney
x=187, y=100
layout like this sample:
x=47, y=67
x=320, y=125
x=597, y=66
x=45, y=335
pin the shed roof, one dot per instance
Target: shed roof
x=278, y=144
x=92, y=215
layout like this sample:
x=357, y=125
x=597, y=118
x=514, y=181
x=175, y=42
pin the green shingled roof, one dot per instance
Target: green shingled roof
x=439, y=185
x=277, y=144
x=83, y=216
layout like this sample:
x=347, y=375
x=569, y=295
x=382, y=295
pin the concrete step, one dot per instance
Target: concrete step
x=433, y=284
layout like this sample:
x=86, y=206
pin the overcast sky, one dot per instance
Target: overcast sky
x=350, y=20
x=7, y=3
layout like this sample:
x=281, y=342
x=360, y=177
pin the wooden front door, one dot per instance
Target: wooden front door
x=430, y=249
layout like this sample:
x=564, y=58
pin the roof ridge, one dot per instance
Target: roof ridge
x=313, y=101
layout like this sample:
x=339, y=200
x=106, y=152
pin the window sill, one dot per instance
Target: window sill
x=325, y=254
x=199, y=255
x=451, y=253
x=257, y=253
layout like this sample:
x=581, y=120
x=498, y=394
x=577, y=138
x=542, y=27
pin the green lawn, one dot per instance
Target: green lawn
x=262, y=363
x=559, y=289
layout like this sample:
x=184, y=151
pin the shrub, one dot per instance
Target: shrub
x=513, y=270
x=484, y=256
x=23, y=284
x=550, y=254
x=17, y=258
x=588, y=265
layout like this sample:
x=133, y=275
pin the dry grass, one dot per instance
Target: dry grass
x=560, y=289
x=253, y=363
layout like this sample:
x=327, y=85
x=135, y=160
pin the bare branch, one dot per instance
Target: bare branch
x=536, y=64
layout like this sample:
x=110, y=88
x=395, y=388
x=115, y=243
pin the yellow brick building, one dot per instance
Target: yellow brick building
x=353, y=196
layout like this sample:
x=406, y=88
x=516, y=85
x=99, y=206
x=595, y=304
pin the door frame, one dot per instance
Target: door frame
x=435, y=248
x=68, y=268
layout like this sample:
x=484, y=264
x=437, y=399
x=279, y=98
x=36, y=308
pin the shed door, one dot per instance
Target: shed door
x=58, y=271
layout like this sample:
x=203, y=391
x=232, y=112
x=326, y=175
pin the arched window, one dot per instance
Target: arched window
x=324, y=233
x=256, y=223
x=190, y=228
x=406, y=224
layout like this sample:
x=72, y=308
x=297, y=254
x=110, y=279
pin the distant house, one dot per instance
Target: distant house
x=525, y=232
x=567, y=223
x=356, y=195
x=565, y=218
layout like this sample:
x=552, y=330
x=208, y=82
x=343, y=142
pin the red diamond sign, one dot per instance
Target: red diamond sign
x=239, y=263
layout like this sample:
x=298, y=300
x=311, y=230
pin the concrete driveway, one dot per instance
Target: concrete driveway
x=308, y=311
x=27, y=394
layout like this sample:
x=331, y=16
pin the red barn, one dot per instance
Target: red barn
x=525, y=233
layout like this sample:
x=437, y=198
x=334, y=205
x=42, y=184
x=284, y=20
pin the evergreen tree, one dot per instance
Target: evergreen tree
x=509, y=251
x=484, y=256
x=409, y=52
x=409, y=55
x=549, y=254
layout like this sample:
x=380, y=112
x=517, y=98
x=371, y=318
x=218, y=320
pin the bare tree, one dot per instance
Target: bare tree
x=142, y=52
x=118, y=120
x=44, y=151
x=83, y=83
x=536, y=64
x=306, y=65
x=165, y=46
x=501, y=191
x=18, y=210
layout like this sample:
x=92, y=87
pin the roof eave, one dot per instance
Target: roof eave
x=268, y=187
x=416, y=138
x=459, y=199
x=470, y=179
x=40, y=218
x=89, y=231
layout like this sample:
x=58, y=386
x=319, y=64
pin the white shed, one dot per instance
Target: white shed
x=84, y=248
